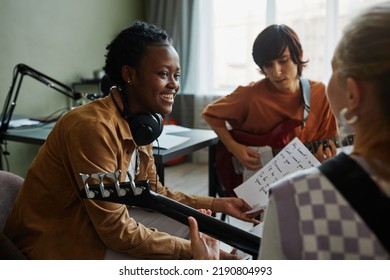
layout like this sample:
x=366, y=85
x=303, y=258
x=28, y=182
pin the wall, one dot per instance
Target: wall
x=64, y=39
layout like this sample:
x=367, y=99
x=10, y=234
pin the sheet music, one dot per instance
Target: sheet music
x=295, y=156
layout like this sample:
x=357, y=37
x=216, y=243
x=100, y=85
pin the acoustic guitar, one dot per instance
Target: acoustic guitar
x=139, y=194
x=228, y=169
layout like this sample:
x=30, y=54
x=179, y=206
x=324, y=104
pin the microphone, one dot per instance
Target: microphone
x=23, y=69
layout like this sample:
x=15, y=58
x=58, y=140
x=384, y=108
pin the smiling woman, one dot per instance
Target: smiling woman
x=147, y=77
x=152, y=86
x=106, y=135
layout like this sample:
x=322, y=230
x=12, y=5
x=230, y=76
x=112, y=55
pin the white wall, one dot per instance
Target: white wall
x=64, y=39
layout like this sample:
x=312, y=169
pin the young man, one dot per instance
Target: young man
x=271, y=110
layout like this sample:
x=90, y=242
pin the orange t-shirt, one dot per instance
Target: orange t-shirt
x=260, y=107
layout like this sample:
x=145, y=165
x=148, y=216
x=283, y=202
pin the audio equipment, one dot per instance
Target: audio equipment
x=145, y=127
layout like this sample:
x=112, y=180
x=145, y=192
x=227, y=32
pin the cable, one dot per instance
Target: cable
x=50, y=117
x=158, y=153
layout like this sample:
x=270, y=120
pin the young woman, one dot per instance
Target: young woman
x=272, y=108
x=310, y=215
x=51, y=221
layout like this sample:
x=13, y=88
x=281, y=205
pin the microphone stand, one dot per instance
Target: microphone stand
x=20, y=71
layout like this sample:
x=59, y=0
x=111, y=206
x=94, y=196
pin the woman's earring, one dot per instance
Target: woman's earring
x=343, y=118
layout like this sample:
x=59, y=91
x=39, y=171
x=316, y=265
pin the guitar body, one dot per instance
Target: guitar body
x=276, y=138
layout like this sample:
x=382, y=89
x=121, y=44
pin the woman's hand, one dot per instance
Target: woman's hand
x=235, y=207
x=203, y=247
x=228, y=256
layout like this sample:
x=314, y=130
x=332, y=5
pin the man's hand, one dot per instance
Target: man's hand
x=248, y=157
x=325, y=153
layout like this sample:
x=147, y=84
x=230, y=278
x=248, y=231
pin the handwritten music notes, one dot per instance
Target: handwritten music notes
x=295, y=156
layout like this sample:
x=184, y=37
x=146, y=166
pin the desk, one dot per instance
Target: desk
x=199, y=138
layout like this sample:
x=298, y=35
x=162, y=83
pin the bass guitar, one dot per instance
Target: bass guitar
x=139, y=194
x=229, y=170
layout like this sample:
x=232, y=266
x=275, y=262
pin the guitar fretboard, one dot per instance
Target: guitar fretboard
x=345, y=141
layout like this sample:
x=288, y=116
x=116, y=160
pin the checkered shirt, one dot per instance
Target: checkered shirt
x=329, y=227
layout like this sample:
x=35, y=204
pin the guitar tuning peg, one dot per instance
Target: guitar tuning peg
x=115, y=178
x=136, y=190
x=100, y=177
x=89, y=193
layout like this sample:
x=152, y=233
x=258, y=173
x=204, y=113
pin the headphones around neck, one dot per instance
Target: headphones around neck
x=145, y=127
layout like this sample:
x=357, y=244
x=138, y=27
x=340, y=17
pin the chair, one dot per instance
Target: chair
x=9, y=187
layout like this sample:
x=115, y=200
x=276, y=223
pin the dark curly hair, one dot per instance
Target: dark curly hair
x=129, y=46
x=271, y=43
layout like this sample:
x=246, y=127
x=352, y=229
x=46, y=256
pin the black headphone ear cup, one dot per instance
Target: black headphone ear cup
x=145, y=127
x=159, y=124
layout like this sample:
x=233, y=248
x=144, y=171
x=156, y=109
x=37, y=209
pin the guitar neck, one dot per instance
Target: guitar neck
x=313, y=146
x=339, y=142
x=236, y=237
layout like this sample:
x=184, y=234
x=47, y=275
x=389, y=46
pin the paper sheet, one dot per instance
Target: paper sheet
x=257, y=230
x=170, y=128
x=167, y=140
x=295, y=156
x=22, y=122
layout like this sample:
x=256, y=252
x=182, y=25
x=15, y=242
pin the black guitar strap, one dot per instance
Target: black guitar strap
x=361, y=192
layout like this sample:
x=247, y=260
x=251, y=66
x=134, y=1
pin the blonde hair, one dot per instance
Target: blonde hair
x=363, y=53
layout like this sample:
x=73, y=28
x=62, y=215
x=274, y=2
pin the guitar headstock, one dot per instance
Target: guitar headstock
x=109, y=188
